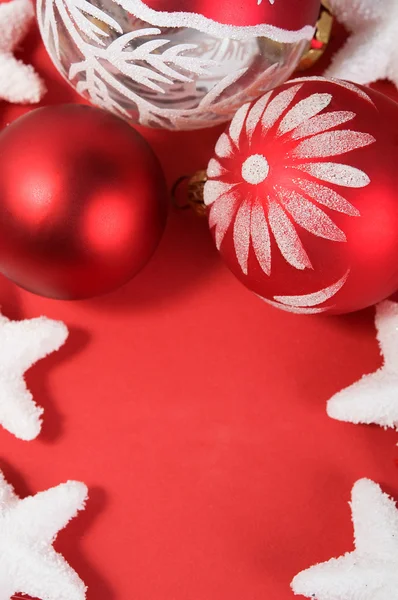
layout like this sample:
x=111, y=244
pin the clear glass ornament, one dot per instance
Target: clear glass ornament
x=169, y=77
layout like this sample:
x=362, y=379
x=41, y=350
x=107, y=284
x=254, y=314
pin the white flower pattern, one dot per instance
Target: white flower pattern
x=286, y=185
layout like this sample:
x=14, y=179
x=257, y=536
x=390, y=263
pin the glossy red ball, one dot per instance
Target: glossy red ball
x=83, y=202
x=303, y=196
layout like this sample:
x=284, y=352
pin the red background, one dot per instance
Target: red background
x=196, y=415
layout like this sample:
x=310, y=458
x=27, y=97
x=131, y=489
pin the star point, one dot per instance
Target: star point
x=374, y=398
x=28, y=562
x=19, y=83
x=369, y=572
x=22, y=343
x=371, y=52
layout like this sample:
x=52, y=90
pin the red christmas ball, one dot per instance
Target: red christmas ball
x=303, y=196
x=83, y=202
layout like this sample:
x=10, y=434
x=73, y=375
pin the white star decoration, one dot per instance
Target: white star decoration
x=371, y=52
x=18, y=82
x=28, y=562
x=370, y=572
x=22, y=343
x=374, y=398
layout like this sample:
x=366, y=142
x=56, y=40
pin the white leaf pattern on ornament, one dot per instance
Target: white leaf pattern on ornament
x=300, y=132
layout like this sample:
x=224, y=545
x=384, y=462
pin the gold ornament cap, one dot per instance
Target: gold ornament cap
x=319, y=42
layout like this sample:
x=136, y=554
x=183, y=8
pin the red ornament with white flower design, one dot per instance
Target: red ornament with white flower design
x=302, y=196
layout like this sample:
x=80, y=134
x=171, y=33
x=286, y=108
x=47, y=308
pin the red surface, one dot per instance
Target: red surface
x=196, y=415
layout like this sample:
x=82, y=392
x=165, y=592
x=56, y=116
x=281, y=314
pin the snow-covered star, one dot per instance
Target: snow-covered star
x=370, y=572
x=22, y=343
x=371, y=52
x=28, y=562
x=374, y=398
x=18, y=82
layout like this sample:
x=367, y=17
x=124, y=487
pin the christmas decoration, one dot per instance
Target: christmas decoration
x=18, y=82
x=172, y=63
x=28, y=527
x=83, y=202
x=302, y=196
x=371, y=52
x=374, y=399
x=22, y=343
x=370, y=571
x=320, y=41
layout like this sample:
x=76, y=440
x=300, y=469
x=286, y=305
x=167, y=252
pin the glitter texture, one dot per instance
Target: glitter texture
x=310, y=300
x=215, y=169
x=223, y=146
x=256, y=113
x=242, y=235
x=236, y=126
x=255, y=169
x=277, y=106
x=201, y=23
x=343, y=175
x=304, y=110
x=326, y=196
x=221, y=214
x=261, y=238
x=214, y=189
x=321, y=123
x=287, y=238
x=297, y=310
x=309, y=216
x=340, y=82
x=332, y=143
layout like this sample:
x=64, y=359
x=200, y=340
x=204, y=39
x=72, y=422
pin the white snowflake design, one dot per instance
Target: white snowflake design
x=121, y=70
x=287, y=185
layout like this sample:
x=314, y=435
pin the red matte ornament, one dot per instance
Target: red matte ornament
x=83, y=202
x=303, y=197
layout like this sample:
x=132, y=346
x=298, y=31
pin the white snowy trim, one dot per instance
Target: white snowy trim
x=371, y=51
x=201, y=23
x=19, y=83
